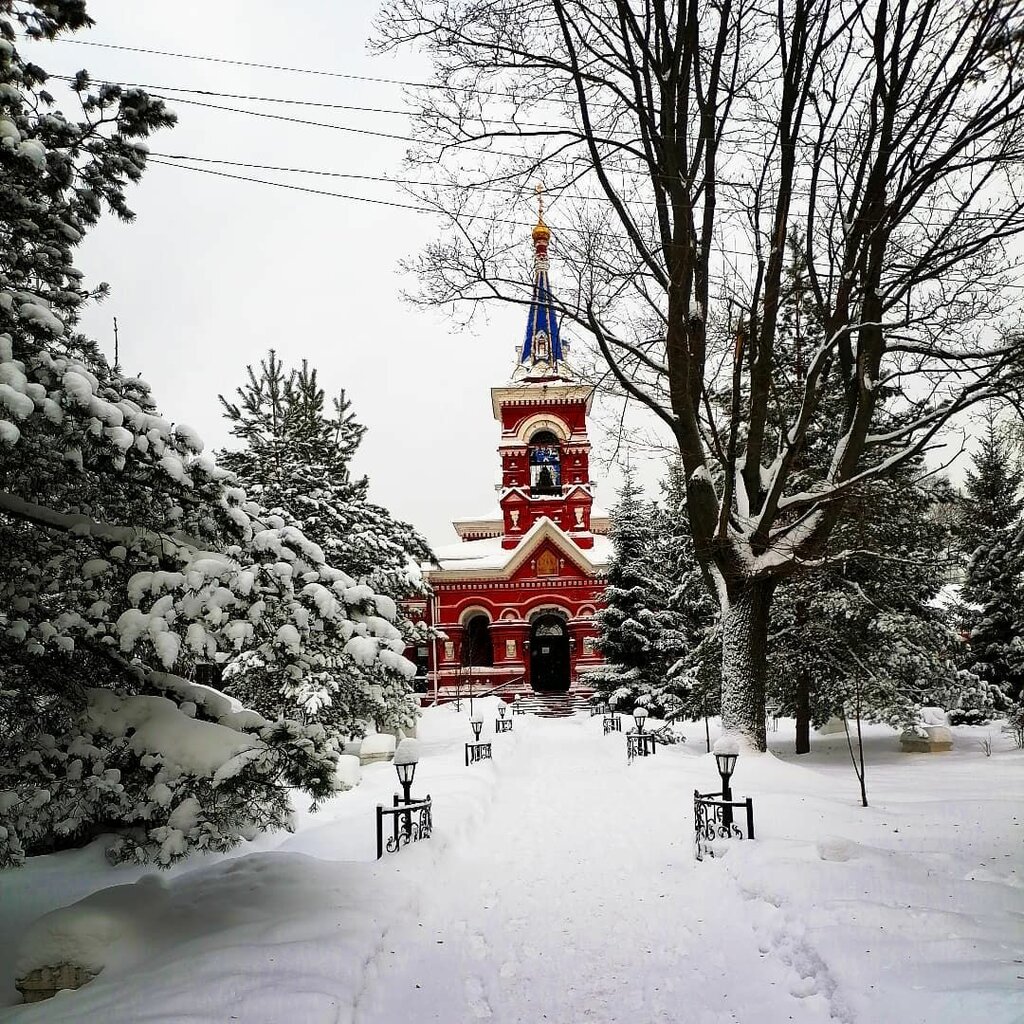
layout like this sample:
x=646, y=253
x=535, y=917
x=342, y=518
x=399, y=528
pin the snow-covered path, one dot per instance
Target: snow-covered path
x=578, y=899
x=560, y=886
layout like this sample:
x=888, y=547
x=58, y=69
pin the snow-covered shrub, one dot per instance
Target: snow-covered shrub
x=127, y=552
x=178, y=768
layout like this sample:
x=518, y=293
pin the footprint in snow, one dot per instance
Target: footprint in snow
x=476, y=999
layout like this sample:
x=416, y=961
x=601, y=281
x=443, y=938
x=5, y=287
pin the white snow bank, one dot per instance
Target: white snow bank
x=110, y=927
x=377, y=745
x=349, y=773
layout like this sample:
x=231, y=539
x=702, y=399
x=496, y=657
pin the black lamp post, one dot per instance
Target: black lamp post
x=640, y=717
x=726, y=759
x=477, y=724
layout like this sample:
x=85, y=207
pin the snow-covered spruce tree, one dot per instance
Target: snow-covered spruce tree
x=990, y=535
x=125, y=552
x=632, y=624
x=296, y=459
x=995, y=585
x=687, y=663
x=862, y=629
x=992, y=499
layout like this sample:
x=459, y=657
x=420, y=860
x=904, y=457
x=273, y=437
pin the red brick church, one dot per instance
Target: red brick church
x=515, y=598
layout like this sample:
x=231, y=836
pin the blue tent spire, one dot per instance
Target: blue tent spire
x=542, y=343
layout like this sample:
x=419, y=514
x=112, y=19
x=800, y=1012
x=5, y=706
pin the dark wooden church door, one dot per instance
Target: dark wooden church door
x=549, y=655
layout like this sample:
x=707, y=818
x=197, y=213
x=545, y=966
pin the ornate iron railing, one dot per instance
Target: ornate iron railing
x=410, y=823
x=713, y=821
x=640, y=744
x=479, y=751
x=503, y=725
x=599, y=709
x=611, y=723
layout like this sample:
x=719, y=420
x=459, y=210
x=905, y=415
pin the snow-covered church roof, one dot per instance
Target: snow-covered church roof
x=489, y=557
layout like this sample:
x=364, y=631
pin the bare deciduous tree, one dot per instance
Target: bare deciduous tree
x=682, y=144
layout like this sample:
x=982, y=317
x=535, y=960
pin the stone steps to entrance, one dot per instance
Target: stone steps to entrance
x=555, y=705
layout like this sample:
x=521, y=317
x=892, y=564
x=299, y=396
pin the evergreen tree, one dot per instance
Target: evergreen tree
x=125, y=555
x=864, y=623
x=296, y=460
x=990, y=534
x=995, y=579
x=631, y=625
x=992, y=500
x=687, y=674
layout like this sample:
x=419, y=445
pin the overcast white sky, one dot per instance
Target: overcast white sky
x=214, y=272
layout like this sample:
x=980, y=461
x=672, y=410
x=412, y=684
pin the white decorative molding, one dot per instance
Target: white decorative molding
x=543, y=421
x=474, y=609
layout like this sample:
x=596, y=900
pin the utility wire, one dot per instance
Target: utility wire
x=156, y=90
x=172, y=161
x=280, y=67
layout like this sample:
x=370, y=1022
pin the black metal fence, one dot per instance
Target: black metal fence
x=611, y=723
x=503, y=725
x=410, y=823
x=713, y=819
x=640, y=744
x=477, y=752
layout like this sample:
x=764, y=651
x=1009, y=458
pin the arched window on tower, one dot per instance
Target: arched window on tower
x=545, y=464
x=477, y=646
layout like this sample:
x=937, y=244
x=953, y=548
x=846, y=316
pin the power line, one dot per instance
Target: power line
x=641, y=175
x=156, y=90
x=411, y=207
x=281, y=67
x=335, y=195
x=478, y=186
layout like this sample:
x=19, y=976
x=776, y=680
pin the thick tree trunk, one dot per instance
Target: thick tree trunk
x=744, y=661
x=803, y=712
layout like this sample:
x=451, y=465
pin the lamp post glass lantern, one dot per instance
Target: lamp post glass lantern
x=640, y=717
x=477, y=724
x=726, y=766
x=407, y=756
x=501, y=709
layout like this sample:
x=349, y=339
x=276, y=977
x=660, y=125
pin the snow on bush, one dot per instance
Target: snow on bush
x=186, y=770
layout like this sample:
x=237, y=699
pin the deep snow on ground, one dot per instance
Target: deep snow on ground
x=560, y=885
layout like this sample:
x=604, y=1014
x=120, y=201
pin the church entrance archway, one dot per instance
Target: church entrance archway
x=549, y=654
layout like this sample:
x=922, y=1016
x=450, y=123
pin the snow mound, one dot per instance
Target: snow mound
x=102, y=930
x=836, y=848
x=349, y=774
x=380, y=746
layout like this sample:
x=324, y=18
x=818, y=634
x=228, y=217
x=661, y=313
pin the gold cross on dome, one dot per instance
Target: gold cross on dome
x=539, y=189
